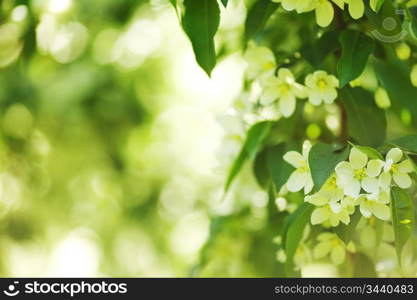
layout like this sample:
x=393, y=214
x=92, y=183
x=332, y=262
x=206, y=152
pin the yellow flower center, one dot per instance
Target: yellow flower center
x=321, y=84
x=284, y=88
x=360, y=174
x=394, y=168
x=332, y=182
x=334, y=242
x=304, y=168
x=268, y=66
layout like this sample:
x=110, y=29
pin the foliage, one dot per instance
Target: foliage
x=361, y=169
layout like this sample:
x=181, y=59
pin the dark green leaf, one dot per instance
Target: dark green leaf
x=366, y=122
x=257, y=17
x=224, y=2
x=345, y=232
x=279, y=169
x=406, y=143
x=396, y=81
x=270, y=165
x=317, y=51
x=255, y=136
x=356, y=48
x=322, y=160
x=200, y=22
x=293, y=231
x=402, y=209
x=364, y=266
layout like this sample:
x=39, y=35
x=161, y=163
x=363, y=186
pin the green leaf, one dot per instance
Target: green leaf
x=356, y=48
x=256, y=135
x=322, y=160
x=406, y=143
x=257, y=17
x=270, y=165
x=364, y=266
x=396, y=81
x=402, y=208
x=317, y=51
x=293, y=232
x=370, y=152
x=224, y=2
x=200, y=22
x=345, y=232
x=279, y=169
x=367, y=123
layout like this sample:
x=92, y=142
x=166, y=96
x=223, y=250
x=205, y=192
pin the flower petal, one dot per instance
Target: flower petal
x=381, y=211
x=370, y=185
x=329, y=95
x=322, y=250
x=295, y=159
x=374, y=167
x=357, y=158
x=338, y=254
x=309, y=185
x=395, y=154
x=314, y=97
x=324, y=13
x=385, y=180
x=352, y=188
x=405, y=166
x=356, y=8
x=287, y=105
x=344, y=170
x=316, y=199
x=297, y=181
x=365, y=209
x=325, y=236
x=320, y=215
x=403, y=180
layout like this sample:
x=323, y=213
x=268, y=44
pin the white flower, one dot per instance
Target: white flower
x=394, y=169
x=261, y=62
x=321, y=87
x=329, y=243
x=284, y=89
x=358, y=172
x=375, y=205
x=301, y=177
x=332, y=206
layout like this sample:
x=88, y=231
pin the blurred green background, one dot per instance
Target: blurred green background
x=114, y=146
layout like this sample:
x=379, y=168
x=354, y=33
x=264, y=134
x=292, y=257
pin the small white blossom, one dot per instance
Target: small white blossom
x=359, y=173
x=396, y=169
x=301, y=177
x=329, y=243
x=375, y=205
x=284, y=89
x=321, y=87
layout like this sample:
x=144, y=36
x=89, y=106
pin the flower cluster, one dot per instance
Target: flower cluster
x=324, y=9
x=361, y=181
x=279, y=88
